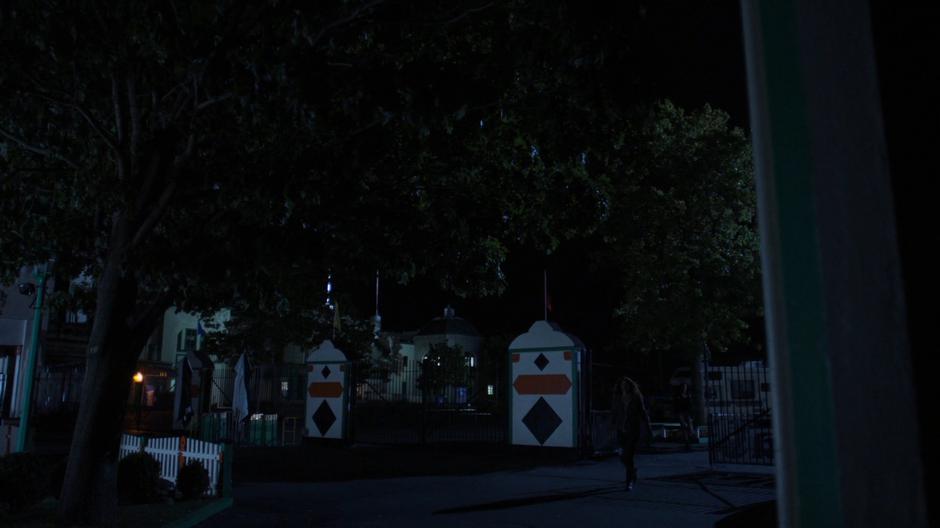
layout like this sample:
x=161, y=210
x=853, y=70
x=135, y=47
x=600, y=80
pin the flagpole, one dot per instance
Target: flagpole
x=545, y=294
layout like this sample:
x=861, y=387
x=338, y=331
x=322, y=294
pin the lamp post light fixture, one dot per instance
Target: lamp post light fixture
x=138, y=395
x=41, y=273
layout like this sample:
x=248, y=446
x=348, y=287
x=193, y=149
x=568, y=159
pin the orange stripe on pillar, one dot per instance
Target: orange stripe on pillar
x=542, y=384
x=325, y=389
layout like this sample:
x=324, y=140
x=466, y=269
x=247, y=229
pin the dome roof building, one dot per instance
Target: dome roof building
x=449, y=329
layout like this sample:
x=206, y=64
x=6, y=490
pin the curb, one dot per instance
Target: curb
x=203, y=513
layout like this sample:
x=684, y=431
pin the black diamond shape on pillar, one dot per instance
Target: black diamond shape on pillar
x=541, y=361
x=326, y=372
x=541, y=420
x=324, y=418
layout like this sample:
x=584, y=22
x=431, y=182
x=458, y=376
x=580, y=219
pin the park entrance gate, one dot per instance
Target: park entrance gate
x=738, y=412
x=427, y=402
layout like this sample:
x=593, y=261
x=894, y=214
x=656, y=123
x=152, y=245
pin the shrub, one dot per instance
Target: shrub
x=138, y=478
x=24, y=480
x=193, y=480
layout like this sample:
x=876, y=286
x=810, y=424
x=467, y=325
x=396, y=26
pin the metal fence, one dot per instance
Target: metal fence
x=737, y=404
x=276, y=404
x=266, y=430
x=271, y=387
x=57, y=391
x=426, y=403
x=58, y=388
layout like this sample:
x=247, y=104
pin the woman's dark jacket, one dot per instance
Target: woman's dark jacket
x=630, y=419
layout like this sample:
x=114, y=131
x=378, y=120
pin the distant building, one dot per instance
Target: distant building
x=398, y=377
x=16, y=322
x=60, y=361
x=450, y=330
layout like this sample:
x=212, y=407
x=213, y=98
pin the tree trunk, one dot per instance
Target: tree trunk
x=88, y=491
x=89, y=488
x=120, y=329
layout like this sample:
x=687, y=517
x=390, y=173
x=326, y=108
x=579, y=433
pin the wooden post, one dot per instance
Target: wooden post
x=181, y=458
x=228, y=463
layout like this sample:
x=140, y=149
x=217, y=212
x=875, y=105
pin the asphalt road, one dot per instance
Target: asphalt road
x=675, y=490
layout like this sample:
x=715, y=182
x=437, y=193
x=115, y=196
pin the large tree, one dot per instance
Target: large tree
x=206, y=153
x=681, y=243
x=129, y=159
x=214, y=153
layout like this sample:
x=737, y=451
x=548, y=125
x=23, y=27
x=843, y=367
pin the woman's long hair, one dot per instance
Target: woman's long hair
x=629, y=390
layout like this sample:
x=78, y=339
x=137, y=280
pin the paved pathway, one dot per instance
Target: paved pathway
x=585, y=494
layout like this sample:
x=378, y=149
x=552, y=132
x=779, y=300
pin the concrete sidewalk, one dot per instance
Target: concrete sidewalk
x=588, y=493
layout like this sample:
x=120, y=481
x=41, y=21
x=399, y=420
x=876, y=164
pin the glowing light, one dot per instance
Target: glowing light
x=139, y=377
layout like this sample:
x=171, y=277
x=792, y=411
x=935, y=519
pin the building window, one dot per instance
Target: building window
x=710, y=393
x=490, y=390
x=186, y=340
x=742, y=389
x=76, y=317
x=153, y=351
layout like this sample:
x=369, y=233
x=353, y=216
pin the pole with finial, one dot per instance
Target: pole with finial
x=545, y=294
x=377, y=322
x=329, y=300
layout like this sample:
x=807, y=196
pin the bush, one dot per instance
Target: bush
x=24, y=481
x=138, y=478
x=193, y=480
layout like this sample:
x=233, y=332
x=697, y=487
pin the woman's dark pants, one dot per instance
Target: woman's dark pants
x=628, y=443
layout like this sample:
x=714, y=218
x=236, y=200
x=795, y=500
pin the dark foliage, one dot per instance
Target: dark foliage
x=24, y=481
x=138, y=478
x=192, y=481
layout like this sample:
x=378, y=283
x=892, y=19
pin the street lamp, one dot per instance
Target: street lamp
x=138, y=395
x=41, y=272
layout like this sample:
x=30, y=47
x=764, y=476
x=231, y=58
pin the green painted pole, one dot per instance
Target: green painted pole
x=228, y=465
x=22, y=436
x=845, y=429
x=808, y=486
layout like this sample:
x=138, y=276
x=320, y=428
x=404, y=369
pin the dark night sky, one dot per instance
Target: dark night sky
x=906, y=44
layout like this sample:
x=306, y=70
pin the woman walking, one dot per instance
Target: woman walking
x=630, y=418
x=683, y=406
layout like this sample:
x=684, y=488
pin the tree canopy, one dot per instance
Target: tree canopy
x=219, y=153
x=681, y=242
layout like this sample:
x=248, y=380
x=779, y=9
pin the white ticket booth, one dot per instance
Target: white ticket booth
x=545, y=394
x=327, y=409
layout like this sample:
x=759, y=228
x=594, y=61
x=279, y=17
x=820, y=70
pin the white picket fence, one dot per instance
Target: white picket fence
x=173, y=452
